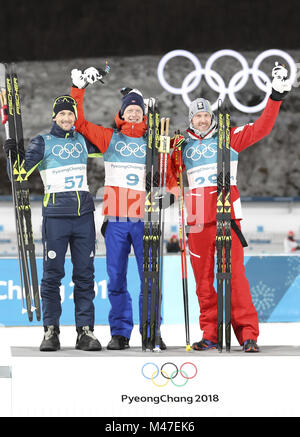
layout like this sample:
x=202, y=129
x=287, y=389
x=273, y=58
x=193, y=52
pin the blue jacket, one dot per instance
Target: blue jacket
x=54, y=153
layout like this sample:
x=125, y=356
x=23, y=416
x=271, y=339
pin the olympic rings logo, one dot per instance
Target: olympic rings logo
x=139, y=151
x=196, y=152
x=69, y=149
x=216, y=82
x=168, y=372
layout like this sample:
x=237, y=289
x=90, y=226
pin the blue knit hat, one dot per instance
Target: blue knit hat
x=134, y=97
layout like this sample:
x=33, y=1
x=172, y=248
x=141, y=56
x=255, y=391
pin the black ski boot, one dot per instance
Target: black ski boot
x=86, y=341
x=118, y=342
x=50, y=341
x=161, y=344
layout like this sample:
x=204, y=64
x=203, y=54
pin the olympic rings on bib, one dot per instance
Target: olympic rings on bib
x=167, y=373
x=216, y=82
x=201, y=150
x=128, y=149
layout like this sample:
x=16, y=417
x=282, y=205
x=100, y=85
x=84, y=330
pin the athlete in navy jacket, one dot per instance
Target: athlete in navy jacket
x=68, y=219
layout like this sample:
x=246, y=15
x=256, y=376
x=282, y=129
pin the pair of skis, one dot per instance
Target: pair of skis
x=158, y=149
x=223, y=234
x=178, y=141
x=12, y=120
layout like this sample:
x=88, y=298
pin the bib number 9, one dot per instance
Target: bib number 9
x=132, y=179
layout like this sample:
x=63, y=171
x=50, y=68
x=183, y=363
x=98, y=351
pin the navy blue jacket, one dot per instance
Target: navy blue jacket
x=71, y=203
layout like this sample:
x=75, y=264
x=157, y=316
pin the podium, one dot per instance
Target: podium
x=168, y=384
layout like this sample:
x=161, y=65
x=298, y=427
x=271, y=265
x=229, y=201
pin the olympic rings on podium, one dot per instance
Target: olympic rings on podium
x=169, y=376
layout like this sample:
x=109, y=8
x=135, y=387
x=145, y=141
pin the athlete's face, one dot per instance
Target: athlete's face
x=65, y=119
x=133, y=114
x=201, y=121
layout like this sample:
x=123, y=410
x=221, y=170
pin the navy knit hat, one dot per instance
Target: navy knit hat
x=134, y=97
x=62, y=103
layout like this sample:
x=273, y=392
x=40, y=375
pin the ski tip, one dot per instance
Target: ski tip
x=188, y=348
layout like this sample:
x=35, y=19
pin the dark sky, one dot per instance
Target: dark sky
x=49, y=30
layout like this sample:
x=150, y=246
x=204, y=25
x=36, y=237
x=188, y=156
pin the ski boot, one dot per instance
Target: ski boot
x=161, y=344
x=203, y=345
x=118, y=342
x=250, y=346
x=86, y=341
x=50, y=341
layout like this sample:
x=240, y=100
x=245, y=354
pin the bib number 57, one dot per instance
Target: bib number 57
x=73, y=182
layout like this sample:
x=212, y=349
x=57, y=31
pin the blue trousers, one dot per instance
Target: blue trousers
x=119, y=237
x=57, y=234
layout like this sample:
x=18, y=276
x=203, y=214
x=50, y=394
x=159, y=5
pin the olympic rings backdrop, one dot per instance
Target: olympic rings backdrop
x=215, y=81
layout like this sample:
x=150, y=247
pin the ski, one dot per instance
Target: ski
x=158, y=147
x=147, y=224
x=178, y=140
x=12, y=119
x=227, y=234
x=164, y=151
x=223, y=231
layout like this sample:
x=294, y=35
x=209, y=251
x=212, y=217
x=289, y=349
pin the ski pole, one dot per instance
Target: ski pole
x=182, y=238
x=164, y=150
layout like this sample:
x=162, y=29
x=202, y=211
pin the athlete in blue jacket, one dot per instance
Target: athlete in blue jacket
x=68, y=219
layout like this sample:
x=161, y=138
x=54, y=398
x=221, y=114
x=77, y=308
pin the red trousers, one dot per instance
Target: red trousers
x=244, y=318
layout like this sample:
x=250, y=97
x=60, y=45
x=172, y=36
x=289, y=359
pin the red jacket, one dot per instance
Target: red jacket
x=201, y=202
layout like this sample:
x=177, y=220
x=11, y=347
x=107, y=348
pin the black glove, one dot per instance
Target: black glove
x=10, y=145
x=275, y=95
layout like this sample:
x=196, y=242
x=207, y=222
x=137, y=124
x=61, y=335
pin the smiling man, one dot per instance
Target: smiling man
x=68, y=219
x=199, y=155
x=124, y=153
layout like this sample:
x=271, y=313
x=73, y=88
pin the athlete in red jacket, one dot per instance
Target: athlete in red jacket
x=124, y=152
x=199, y=154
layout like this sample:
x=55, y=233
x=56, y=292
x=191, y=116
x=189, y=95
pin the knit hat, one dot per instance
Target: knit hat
x=134, y=97
x=199, y=105
x=62, y=103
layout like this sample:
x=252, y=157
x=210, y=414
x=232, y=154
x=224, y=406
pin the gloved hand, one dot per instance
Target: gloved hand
x=92, y=75
x=78, y=79
x=147, y=103
x=10, y=145
x=176, y=145
x=280, y=84
x=165, y=200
